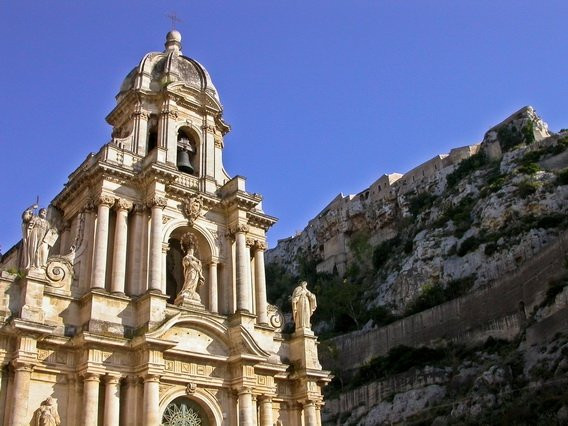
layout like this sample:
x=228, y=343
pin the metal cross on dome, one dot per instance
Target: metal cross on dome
x=174, y=19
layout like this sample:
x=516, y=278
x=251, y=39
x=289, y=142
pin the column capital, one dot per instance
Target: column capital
x=122, y=204
x=110, y=379
x=165, y=247
x=139, y=208
x=244, y=390
x=157, y=201
x=265, y=398
x=18, y=365
x=239, y=228
x=260, y=245
x=105, y=200
x=249, y=242
x=132, y=380
x=152, y=378
x=91, y=377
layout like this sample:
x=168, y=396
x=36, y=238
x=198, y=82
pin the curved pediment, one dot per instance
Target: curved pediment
x=194, y=332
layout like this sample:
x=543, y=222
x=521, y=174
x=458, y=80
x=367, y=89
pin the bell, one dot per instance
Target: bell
x=183, y=163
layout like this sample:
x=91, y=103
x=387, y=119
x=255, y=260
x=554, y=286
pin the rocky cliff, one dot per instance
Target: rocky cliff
x=449, y=226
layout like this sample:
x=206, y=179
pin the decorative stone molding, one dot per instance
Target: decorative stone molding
x=209, y=128
x=91, y=377
x=190, y=388
x=250, y=242
x=141, y=114
x=275, y=317
x=152, y=378
x=105, y=200
x=59, y=270
x=22, y=366
x=193, y=208
x=122, y=204
x=171, y=113
x=260, y=245
x=157, y=201
x=241, y=227
x=219, y=142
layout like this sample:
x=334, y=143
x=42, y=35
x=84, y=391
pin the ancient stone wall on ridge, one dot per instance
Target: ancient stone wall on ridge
x=497, y=310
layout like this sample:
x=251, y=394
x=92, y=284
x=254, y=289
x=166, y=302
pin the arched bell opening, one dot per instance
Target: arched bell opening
x=185, y=411
x=187, y=152
x=175, y=271
x=152, y=132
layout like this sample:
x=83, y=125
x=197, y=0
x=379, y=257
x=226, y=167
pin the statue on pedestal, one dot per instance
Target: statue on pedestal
x=192, y=271
x=303, y=306
x=46, y=414
x=37, y=237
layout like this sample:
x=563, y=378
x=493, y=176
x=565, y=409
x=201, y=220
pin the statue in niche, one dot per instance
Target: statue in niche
x=46, y=414
x=37, y=237
x=303, y=306
x=192, y=270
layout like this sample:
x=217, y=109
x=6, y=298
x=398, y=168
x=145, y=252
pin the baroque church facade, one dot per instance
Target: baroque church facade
x=138, y=297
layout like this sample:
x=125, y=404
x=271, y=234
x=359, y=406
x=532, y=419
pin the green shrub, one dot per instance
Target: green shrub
x=420, y=202
x=383, y=251
x=529, y=169
x=459, y=214
x=527, y=187
x=430, y=295
x=465, y=168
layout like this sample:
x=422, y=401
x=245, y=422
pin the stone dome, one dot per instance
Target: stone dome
x=158, y=69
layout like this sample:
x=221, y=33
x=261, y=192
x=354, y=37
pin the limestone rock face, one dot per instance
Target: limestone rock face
x=475, y=213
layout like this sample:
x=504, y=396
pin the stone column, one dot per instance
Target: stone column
x=135, y=253
x=167, y=137
x=245, y=407
x=310, y=417
x=266, y=411
x=213, y=291
x=140, y=128
x=243, y=277
x=157, y=204
x=151, y=405
x=20, y=393
x=112, y=401
x=90, y=400
x=318, y=413
x=120, y=241
x=101, y=242
x=260, y=280
x=130, y=412
x=165, y=249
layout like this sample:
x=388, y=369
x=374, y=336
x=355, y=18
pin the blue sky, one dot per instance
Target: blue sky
x=324, y=96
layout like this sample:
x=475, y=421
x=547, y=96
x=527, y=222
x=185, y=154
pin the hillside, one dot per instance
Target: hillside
x=448, y=227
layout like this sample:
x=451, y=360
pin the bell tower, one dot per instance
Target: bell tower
x=169, y=112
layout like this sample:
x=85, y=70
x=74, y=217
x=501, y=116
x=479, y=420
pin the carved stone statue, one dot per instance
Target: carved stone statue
x=303, y=306
x=37, y=237
x=46, y=414
x=192, y=270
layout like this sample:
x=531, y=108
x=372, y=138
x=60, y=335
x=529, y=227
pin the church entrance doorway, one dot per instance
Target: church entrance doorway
x=183, y=411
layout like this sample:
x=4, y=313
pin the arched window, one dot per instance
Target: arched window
x=183, y=411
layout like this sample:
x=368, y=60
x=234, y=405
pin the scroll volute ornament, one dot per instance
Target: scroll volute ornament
x=193, y=209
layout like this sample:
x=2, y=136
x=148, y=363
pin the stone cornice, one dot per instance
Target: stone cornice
x=242, y=200
x=260, y=220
